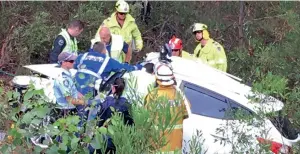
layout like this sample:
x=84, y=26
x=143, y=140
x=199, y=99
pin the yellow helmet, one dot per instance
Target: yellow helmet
x=199, y=27
x=122, y=6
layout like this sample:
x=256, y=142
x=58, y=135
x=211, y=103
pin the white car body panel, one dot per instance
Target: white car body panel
x=207, y=77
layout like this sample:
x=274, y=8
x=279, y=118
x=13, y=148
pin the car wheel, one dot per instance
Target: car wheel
x=44, y=139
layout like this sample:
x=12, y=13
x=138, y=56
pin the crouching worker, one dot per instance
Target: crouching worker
x=67, y=96
x=120, y=105
x=166, y=97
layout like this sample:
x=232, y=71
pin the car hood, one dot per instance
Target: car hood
x=49, y=70
x=38, y=83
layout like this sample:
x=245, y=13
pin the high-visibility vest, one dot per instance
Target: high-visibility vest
x=116, y=46
x=129, y=31
x=71, y=45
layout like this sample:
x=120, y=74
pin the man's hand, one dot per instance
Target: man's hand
x=138, y=66
x=74, y=101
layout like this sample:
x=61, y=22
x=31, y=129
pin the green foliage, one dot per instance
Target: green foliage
x=142, y=137
x=92, y=13
x=271, y=85
x=270, y=28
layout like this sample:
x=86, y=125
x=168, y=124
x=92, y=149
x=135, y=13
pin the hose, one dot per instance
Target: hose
x=4, y=72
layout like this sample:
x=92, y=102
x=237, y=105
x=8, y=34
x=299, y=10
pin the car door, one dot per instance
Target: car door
x=242, y=127
x=208, y=115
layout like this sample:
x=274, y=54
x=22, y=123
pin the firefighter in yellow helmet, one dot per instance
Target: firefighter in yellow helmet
x=208, y=50
x=166, y=88
x=122, y=23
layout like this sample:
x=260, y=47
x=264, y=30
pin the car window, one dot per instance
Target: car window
x=238, y=111
x=208, y=103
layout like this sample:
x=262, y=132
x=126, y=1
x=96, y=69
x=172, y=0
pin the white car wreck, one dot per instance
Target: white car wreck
x=211, y=94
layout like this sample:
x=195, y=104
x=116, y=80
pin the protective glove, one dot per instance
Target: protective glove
x=138, y=66
x=142, y=63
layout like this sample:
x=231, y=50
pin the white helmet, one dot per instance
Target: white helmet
x=164, y=74
x=122, y=6
x=199, y=27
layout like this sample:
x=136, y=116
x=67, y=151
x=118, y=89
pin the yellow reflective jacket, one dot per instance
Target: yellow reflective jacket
x=174, y=137
x=129, y=31
x=212, y=54
x=186, y=55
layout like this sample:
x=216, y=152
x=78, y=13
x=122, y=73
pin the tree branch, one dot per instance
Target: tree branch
x=158, y=25
x=268, y=17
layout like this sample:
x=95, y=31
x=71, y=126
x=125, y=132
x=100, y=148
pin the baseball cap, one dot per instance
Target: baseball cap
x=66, y=56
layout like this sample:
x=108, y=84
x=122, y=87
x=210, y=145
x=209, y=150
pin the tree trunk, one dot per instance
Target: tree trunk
x=240, y=27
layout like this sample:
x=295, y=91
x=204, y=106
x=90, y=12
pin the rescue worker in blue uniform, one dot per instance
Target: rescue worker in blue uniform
x=95, y=65
x=66, y=40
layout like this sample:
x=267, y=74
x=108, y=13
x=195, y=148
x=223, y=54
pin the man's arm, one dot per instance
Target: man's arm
x=75, y=101
x=114, y=65
x=220, y=58
x=137, y=36
x=58, y=46
x=127, y=50
x=65, y=87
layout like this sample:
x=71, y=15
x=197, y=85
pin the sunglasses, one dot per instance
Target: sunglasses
x=175, y=50
x=200, y=31
x=120, y=13
x=70, y=61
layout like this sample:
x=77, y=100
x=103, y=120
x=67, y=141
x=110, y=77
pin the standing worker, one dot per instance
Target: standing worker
x=122, y=23
x=114, y=45
x=66, y=40
x=208, y=50
x=166, y=87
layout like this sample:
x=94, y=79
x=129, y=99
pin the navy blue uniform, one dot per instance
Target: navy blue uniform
x=120, y=105
x=94, y=65
x=58, y=46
